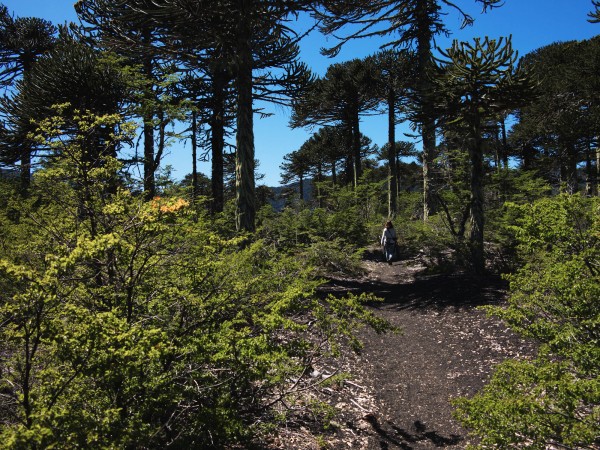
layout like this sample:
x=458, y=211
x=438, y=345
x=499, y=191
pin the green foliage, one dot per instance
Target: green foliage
x=553, y=400
x=127, y=323
x=508, y=187
x=331, y=237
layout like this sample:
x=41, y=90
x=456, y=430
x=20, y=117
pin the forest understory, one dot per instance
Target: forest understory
x=401, y=384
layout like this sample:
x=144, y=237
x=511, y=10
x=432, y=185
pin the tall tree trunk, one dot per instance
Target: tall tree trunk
x=527, y=155
x=244, y=164
x=301, y=187
x=333, y=172
x=319, y=181
x=356, y=147
x=598, y=170
x=26, y=149
x=194, y=156
x=148, y=131
x=504, y=142
x=391, y=156
x=25, y=168
x=589, y=171
x=568, y=167
x=425, y=98
x=573, y=176
x=477, y=212
x=149, y=185
x=217, y=140
x=349, y=155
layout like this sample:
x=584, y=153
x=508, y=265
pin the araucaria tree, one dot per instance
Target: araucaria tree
x=559, y=129
x=476, y=82
x=118, y=27
x=394, y=80
x=339, y=98
x=263, y=53
x=410, y=23
x=22, y=41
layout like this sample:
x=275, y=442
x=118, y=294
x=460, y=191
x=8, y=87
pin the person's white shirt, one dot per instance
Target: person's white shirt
x=388, y=236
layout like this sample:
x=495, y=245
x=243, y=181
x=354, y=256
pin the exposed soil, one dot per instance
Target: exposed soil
x=401, y=386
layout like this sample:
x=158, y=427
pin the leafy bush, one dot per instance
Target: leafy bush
x=554, y=400
x=127, y=323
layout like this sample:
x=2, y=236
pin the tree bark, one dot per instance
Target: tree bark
x=477, y=212
x=424, y=91
x=356, y=146
x=391, y=156
x=217, y=129
x=148, y=131
x=194, y=156
x=244, y=164
x=598, y=170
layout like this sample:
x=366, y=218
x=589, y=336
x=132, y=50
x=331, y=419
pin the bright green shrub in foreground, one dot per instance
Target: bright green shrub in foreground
x=552, y=401
x=131, y=324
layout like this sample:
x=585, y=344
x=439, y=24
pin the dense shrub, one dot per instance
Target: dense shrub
x=132, y=324
x=552, y=401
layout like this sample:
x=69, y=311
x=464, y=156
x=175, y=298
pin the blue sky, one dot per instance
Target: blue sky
x=532, y=24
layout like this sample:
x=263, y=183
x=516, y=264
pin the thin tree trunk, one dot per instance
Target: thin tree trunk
x=350, y=179
x=194, y=156
x=425, y=98
x=477, y=212
x=217, y=128
x=598, y=170
x=356, y=147
x=319, y=181
x=333, y=172
x=149, y=186
x=148, y=131
x=25, y=169
x=244, y=165
x=391, y=156
x=504, y=143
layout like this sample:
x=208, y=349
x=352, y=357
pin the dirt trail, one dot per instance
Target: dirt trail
x=447, y=349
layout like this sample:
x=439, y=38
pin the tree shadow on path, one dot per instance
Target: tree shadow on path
x=445, y=349
x=404, y=439
x=426, y=292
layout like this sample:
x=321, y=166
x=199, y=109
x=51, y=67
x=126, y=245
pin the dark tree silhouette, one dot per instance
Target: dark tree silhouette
x=477, y=81
x=340, y=97
x=395, y=78
x=22, y=41
x=408, y=23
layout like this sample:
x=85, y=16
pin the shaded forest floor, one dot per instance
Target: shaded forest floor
x=398, y=396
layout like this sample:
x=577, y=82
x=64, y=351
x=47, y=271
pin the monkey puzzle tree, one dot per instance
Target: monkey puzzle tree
x=340, y=97
x=411, y=23
x=262, y=51
x=75, y=76
x=476, y=81
x=22, y=41
x=296, y=166
x=594, y=16
x=394, y=79
x=558, y=129
x=328, y=144
x=116, y=27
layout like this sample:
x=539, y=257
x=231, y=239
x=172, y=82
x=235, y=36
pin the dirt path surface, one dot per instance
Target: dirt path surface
x=403, y=384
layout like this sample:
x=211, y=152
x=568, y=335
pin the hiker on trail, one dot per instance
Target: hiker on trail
x=388, y=241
